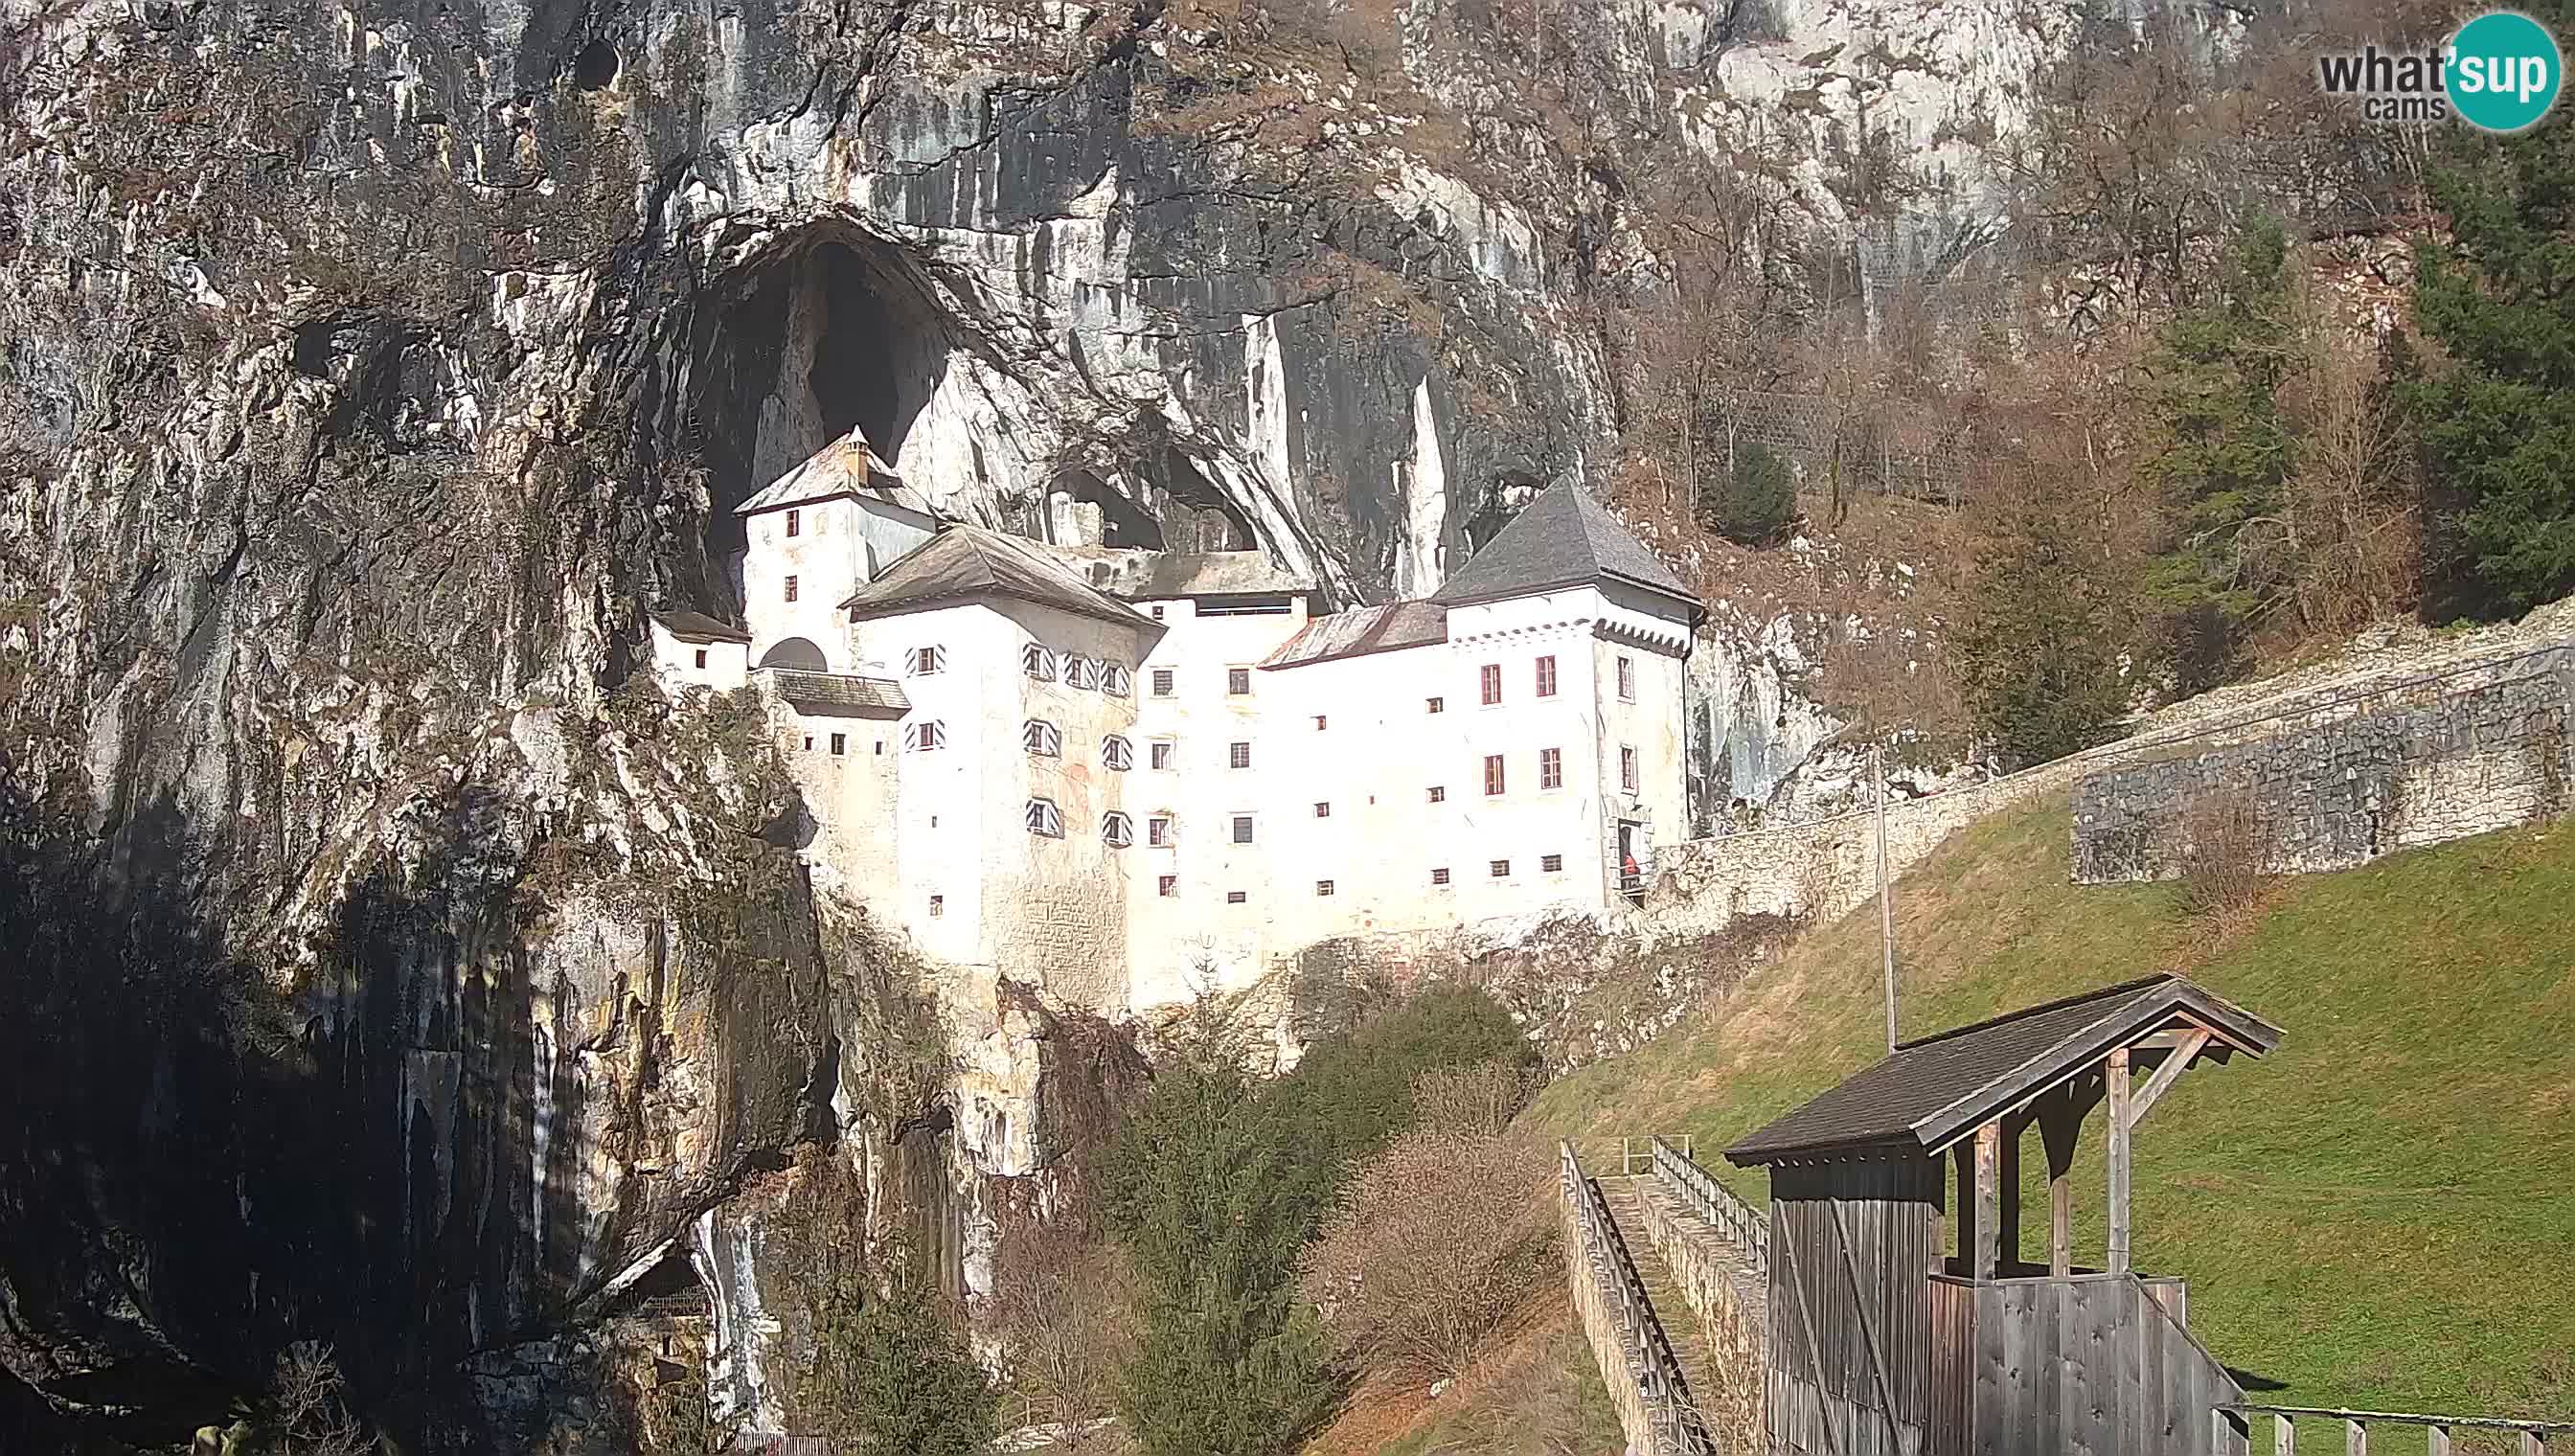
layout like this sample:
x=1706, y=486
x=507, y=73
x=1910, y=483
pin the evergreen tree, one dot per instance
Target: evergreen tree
x=2038, y=652
x=1204, y=1192
x=2497, y=425
x=2225, y=455
x=1753, y=503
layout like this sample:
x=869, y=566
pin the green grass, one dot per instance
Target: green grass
x=2379, y=1214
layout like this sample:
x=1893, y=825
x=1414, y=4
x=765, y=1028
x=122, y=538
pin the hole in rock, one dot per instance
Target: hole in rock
x=840, y=331
x=595, y=66
x=1194, y=514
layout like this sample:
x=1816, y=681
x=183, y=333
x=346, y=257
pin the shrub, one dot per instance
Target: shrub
x=2226, y=863
x=1753, y=504
x=2037, y=652
x=1064, y=1317
x=1439, y=1236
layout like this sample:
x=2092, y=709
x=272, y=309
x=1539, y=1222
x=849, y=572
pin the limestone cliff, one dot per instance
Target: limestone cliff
x=367, y=371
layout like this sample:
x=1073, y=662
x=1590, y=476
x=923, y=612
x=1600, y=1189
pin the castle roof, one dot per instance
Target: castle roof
x=1364, y=630
x=1151, y=576
x=1561, y=539
x=848, y=467
x=697, y=626
x=967, y=563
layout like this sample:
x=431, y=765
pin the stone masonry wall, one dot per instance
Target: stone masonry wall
x=1820, y=869
x=2436, y=761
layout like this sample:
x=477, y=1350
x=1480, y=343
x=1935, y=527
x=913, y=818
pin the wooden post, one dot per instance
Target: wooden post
x=2355, y=1439
x=1965, y=1157
x=2533, y=1444
x=2060, y=1123
x=2008, y=1175
x=2117, y=1262
x=1885, y=914
x=2439, y=1444
x=2284, y=1435
x=1989, y=1222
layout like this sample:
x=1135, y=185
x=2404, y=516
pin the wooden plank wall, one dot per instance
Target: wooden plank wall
x=2090, y=1365
x=1849, y=1372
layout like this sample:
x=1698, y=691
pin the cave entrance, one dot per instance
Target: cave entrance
x=835, y=331
x=1194, y=514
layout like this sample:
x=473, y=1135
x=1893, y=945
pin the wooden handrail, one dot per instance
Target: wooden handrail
x=1714, y=1202
x=1678, y=1428
x=2356, y=1423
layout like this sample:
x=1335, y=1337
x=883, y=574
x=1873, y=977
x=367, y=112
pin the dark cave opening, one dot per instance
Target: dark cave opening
x=595, y=67
x=1194, y=514
x=838, y=331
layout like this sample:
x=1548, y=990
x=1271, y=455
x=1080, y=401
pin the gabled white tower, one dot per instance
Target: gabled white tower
x=817, y=534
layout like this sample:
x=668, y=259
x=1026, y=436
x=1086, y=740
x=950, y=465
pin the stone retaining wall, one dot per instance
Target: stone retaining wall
x=2442, y=762
x=1821, y=870
x=1611, y=1351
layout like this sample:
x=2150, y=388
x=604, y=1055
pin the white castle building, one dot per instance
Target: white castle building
x=1123, y=774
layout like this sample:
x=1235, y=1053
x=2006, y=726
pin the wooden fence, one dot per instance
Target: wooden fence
x=2533, y=1437
x=1627, y=1336
x=1714, y=1202
x=2100, y=1359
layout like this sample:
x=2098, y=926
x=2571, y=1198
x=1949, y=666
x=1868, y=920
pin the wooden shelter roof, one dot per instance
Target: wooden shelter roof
x=1933, y=1093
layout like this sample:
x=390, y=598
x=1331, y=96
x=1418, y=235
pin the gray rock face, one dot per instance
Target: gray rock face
x=368, y=370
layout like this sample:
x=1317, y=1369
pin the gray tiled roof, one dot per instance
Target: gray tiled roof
x=698, y=627
x=1144, y=576
x=1933, y=1091
x=1364, y=630
x=838, y=693
x=1561, y=539
x=848, y=466
x=962, y=563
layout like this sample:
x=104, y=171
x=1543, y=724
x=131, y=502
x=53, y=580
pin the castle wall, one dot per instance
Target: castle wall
x=674, y=661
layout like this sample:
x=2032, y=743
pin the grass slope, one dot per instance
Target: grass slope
x=1533, y=1392
x=2380, y=1213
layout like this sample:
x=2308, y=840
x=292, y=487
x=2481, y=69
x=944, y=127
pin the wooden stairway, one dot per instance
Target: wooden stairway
x=1680, y=1323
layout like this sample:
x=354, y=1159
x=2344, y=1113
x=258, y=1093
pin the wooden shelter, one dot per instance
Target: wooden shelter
x=1886, y=1338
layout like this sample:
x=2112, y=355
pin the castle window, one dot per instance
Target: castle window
x=1322, y=887
x=1239, y=754
x=1157, y=612
x=809, y=743
x=1492, y=673
x=1546, y=677
x=1550, y=768
x=1080, y=671
x=1498, y=869
x=1116, y=830
x=794, y=523
x=1037, y=663
x=1042, y=819
x=1116, y=753
x=1237, y=681
x=1042, y=737
x=937, y=905
x=840, y=745
x=791, y=588
x=1167, y=885
x=922, y=662
x=1318, y=722
x=1162, y=753
x=1439, y=877
x=1627, y=680
x=1626, y=768
x=702, y=659
x=1243, y=828
x=1235, y=896
x=1162, y=682
x=1323, y=811
x=1438, y=704
x=1551, y=864
x=1438, y=793
x=1116, y=680
x=1493, y=772
x=1158, y=831
x=918, y=738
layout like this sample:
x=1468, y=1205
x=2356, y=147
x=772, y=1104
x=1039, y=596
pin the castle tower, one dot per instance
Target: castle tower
x=817, y=534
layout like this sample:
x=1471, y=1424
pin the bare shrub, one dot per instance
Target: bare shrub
x=2226, y=864
x=309, y=1399
x=1472, y=1102
x=1438, y=1239
x=1064, y=1314
x=2354, y=514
